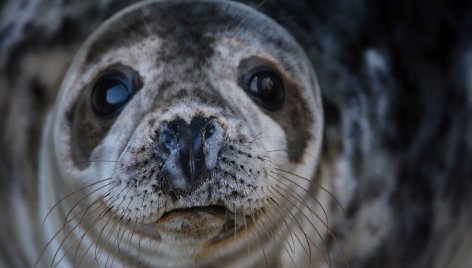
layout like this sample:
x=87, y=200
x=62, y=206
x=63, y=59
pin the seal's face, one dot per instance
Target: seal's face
x=185, y=123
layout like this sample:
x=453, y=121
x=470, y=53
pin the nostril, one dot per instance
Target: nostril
x=167, y=136
x=174, y=127
x=169, y=140
x=209, y=131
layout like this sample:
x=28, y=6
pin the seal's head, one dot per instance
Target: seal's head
x=179, y=129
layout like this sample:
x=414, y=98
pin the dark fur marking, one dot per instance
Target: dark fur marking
x=88, y=129
x=294, y=117
x=297, y=122
x=173, y=23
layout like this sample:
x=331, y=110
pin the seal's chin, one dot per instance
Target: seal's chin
x=202, y=224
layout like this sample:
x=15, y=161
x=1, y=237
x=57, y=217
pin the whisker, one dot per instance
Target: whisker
x=69, y=195
x=106, y=197
x=131, y=233
x=98, y=251
x=265, y=217
x=287, y=246
x=130, y=238
x=317, y=185
x=290, y=255
x=258, y=240
x=325, y=220
x=112, y=230
x=90, y=193
x=243, y=20
x=109, y=219
x=52, y=239
x=257, y=137
x=70, y=232
x=63, y=227
x=308, y=239
x=96, y=220
x=288, y=150
x=148, y=29
x=90, y=246
x=302, y=200
x=271, y=211
x=307, y=251
x=245, y=237
x=235, y=217
x=80, y=240
x=326, y=224
x=293, y=216
x=108, y=210
x=82, y=199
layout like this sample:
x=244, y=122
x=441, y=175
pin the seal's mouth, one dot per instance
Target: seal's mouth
x=211, y=223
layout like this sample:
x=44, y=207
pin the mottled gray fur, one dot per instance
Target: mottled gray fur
x=397, y=97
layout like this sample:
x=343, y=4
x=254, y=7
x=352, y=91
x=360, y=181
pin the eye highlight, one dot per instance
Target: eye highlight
x=266, y=89
x=111, y=92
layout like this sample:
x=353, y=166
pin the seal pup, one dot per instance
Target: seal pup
x=187, y=134
x=396, y=145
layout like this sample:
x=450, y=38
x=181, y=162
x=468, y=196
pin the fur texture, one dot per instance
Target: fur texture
x=397, y=103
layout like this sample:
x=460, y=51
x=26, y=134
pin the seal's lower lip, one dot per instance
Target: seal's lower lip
x=212, y=223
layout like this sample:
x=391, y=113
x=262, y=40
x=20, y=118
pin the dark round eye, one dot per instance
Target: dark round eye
x=266, y=89
x=110, y=94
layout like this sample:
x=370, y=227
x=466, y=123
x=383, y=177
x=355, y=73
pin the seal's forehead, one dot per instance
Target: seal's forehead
x=188, y=27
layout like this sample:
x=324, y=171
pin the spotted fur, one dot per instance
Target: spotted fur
x=396, y=101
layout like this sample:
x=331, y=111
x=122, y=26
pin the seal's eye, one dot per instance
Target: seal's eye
x=266, y=89
x=110, y=94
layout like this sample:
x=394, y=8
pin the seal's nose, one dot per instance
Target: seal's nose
x=191, y=150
